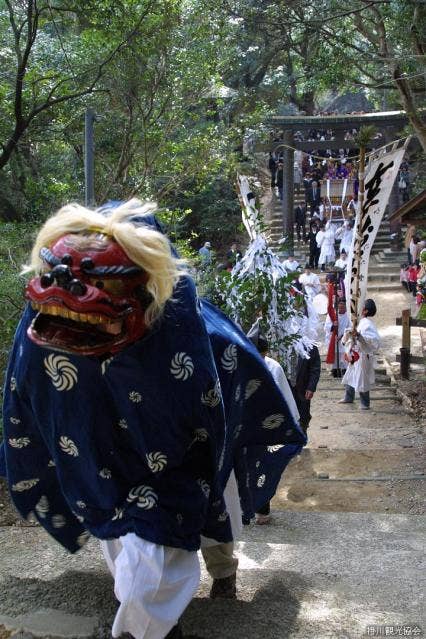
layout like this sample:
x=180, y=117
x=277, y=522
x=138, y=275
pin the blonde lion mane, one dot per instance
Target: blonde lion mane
x=145, y=246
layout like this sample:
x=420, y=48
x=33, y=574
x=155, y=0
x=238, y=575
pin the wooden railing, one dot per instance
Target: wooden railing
x=405, y=358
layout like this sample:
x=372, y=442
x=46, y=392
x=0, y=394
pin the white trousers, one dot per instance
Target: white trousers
x=154, y=584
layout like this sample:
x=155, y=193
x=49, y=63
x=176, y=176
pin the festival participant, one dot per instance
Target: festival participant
x=310, y=282
x=291, y=264
x=345, y=233
x=403, y=276
x=362, y=344
x=314, y=250
x=342, y=262
x=279, y=179
x=300, y=219
x=272, y=166
x=326, y=244
x=409, y=234
x=413, y=272
x=415, y=248
x=233, y=255
x=304, y=377
x=263, y=515
x=314, y=194
x=205, y=253
x=127, y=401
x=334, y=329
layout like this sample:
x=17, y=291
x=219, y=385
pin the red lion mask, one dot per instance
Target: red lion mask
x=91, y=298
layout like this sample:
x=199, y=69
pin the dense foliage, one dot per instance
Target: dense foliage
x=176, y=83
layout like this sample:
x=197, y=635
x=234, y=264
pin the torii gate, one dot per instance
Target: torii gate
x=388, y=123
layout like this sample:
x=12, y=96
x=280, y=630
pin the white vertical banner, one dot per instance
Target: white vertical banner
x=380, y=175
x=248, y=205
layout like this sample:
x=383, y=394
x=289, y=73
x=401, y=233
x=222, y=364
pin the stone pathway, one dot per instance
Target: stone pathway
x=343, y=554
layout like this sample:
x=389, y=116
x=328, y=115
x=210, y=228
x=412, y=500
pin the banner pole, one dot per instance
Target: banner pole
x=359, y=237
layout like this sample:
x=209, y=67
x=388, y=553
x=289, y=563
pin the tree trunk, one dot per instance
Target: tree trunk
x=410, y=108
x=288, y=193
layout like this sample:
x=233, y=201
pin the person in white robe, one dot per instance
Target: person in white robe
x=291, y=264
x=342, y=262
x=326, y=243
x=343, y=322
x=363, y=343
x=311, y=282
x=345, y=233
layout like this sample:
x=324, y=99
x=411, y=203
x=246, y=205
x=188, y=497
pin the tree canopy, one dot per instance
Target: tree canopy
x=176, y=83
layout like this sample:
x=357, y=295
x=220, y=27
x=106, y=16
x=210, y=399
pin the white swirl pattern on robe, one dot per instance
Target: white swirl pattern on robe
x=61, y=371
x=274, y=449
x=105, y=365
x=68, y=446
x=25, y=484
x=83, y=538
x=42, y=506
x=273, y=421
x=58, y=521
x=201, y=434
x=156, y=461
x=212, y=397
x=19, y=442
x=229, y=359
x=252, y=386
x=181, y=366
x=105, y=473
x=204, y=486
x=145, y=497
x=261, y=481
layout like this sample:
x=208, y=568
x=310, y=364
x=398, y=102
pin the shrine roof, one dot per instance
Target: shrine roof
x=385, y=118
x=413, y=211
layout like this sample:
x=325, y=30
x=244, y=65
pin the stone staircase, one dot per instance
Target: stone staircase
x=384, y=262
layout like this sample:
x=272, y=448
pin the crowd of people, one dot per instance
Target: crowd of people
x=319, y=165
x=413, y=271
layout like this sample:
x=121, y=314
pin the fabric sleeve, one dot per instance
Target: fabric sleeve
x=369, y=340
x=314, y=365
x=31, y=473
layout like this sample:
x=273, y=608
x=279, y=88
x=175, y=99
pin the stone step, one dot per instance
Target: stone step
x=308, y=575
x=383, y=277
x=383, y=267
x=384, y=286
x=387, y=255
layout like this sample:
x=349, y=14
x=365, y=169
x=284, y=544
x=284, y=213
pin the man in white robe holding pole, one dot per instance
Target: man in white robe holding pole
x=359, y=376
x=375, y=185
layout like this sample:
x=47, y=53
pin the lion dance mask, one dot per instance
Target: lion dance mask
x=90, y=296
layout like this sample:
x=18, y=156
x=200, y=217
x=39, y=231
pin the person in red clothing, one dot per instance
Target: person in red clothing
x=413, y=272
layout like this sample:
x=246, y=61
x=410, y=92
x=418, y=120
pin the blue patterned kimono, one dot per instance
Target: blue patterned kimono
x=145, y=441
